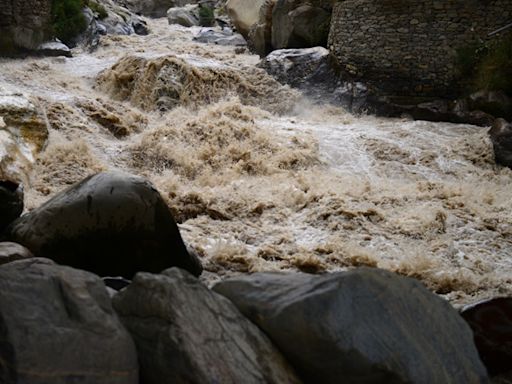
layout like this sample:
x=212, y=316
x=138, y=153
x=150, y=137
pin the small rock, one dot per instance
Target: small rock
x=491, y=322
x=224, y=37
x=11, y=202
x=12, y=252
x=54, y=48
x=501, y=137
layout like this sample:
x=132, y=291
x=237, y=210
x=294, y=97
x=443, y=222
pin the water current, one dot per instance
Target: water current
x=261, y=179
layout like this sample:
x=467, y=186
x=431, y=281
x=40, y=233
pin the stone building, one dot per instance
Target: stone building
x=409, y=47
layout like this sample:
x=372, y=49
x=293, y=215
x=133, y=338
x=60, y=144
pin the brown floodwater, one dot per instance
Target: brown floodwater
x=261, y=179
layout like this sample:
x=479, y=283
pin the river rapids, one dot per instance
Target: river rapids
x=261, y=179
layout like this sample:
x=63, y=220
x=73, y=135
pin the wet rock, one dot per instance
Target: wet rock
x=501, y=137
x=491, y=322
x=54, y=48
x=153, y=8
x=224, y=37
x=300, y=24
x=260, y=34
x=495, y=103
x=186, y=333
x=187, y=16
x=11, y=202
x=23, y=134
x=244, y=14
x=57, y=325
x=12, y=252
x=110, y=224
x=364, y=326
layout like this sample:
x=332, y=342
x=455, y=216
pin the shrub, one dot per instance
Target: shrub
x=67, y=19
x=487, y=66
x=98, y=8
x=206, y=16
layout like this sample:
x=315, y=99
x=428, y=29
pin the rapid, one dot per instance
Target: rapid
x=260, y=178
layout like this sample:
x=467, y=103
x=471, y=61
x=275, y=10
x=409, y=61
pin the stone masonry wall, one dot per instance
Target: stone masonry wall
x=409, y=47
x=23, y=23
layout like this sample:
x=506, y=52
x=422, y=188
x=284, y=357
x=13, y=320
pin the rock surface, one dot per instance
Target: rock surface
x=501, y=137
x=364, y=326
x=224, y=37
x=244, y=14
x=23, y=24
x=187, y=16
x=11, y=202
x=57, y=326
x=153, y=8
x=11, y=252
x=110, y=224
x=491, y=322
x=300, y=24
x=23, y=134
x=186, y=333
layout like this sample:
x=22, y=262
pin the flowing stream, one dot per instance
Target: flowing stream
x=261, y=179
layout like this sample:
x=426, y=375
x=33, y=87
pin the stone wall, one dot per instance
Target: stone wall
x=409, y=47
x=23, y=23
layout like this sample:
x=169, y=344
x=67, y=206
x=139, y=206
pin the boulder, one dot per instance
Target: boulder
x=260, y=34
x=11, y=202
x=244, y=14
x=110, y=224
x=12, y=252
x=186, y=333
x=57, y=326
x=491, y=322
x=495, y=103
x=23, y=134
x=361, y=326
x=300, y=23
x=224, y=37
x=187, y=16
x=501, y=137
x=54, y=48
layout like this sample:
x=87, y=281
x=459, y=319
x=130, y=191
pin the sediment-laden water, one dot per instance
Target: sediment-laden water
x=261, y=179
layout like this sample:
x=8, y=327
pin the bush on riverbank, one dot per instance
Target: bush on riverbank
x=487, y=66
x=67, y=19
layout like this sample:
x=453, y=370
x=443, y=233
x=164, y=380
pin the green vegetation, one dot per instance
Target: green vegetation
x=67, y=19
x=487, y=66
x=206, y=16
x=97, y=8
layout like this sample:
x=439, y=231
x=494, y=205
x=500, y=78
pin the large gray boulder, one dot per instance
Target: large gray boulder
x=361, y=326
x=57, y=326
x=187, y=16
x=153, y=8
x=244, y=14
x=300, y=23
x=110, y=224
x=186, y=333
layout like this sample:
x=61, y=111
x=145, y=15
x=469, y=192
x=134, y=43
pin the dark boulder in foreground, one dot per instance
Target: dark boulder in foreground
x=361, y=326
x=491, y=322
x=57, y=326
x=110, y=224
x=186, y=333
x=501, y=137
x=11, y=202
x=11, y=252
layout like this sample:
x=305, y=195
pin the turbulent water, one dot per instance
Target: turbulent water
x=261, y=179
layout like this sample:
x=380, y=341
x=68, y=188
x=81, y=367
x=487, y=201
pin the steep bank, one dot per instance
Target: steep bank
x=313, y=188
